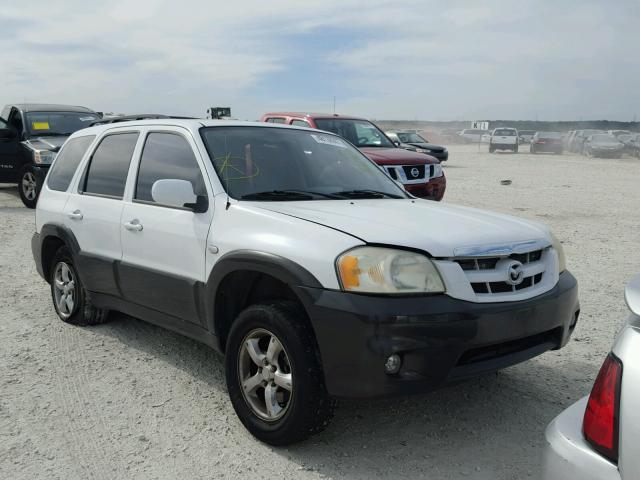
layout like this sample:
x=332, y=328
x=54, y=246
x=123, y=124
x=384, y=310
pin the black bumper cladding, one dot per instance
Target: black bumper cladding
x=440, y=339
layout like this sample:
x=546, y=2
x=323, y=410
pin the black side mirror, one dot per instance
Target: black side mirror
x=7, y=133
x=200, y=206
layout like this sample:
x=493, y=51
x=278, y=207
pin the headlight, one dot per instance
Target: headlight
x=557, y=246
x=43, y=156
x=437, y=170
x=421, y=150
x=385, y=270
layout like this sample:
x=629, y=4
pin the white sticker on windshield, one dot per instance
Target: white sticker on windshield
x=329, y=140
x=86, y=119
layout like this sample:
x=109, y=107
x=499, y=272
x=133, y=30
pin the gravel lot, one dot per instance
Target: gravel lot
x=130, y=400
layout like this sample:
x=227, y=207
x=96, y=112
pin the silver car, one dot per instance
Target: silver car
x=599, y=436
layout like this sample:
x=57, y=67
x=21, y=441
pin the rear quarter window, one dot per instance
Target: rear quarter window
x=67, y=161
x=109, y=167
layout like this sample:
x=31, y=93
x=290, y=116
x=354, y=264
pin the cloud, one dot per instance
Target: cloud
x=383, y=59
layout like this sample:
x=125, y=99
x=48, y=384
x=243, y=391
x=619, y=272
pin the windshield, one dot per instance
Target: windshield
x=261, y=163
x=411, y=138
x=58, y=123
x=527, y=132
x=549, y=135
x=359, y=132
x=505, y=132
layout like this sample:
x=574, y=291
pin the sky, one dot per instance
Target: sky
x=400, y=60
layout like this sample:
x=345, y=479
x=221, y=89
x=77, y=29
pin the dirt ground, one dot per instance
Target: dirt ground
x=130, y=400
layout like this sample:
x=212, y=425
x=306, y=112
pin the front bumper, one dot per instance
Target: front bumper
x=568, y=456
x=440, y=339
x=433, y=190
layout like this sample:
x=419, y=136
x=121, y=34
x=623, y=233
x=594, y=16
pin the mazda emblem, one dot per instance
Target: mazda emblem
x=515, y=273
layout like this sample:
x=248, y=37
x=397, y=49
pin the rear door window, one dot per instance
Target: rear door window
x=275, y=120
x=167, y=155
x=67, y=161
x=109, y=166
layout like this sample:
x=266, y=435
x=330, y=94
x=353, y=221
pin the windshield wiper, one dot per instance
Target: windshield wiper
x=286, y=195
x=366, y=194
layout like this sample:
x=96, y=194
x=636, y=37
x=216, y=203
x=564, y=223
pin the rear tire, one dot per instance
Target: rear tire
x=515, y=149
x=29, y=185
x=70, y=300
x=491, y=149
x=273, y=413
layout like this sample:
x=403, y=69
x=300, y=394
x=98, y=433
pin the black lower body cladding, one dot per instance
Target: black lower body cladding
x=439, y=339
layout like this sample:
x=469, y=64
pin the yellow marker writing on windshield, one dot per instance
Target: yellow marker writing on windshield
x=40, y=125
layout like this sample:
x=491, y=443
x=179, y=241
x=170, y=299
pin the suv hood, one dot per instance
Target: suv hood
x=397, y=156
x=51, y=143
x=436, y=228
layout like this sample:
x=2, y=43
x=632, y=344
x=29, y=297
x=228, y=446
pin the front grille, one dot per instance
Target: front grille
x=477, y=268
x=393, y=173
x=411, y=170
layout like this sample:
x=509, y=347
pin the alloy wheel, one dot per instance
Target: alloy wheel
x=29, y=186
x=64, y=288
x=265, y=375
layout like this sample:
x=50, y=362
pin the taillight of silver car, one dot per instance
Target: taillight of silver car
x=601, y=418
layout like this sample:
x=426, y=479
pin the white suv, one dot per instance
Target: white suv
x=293, y=254
x=504, y=139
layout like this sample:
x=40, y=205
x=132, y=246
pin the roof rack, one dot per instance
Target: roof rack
x=142, y=116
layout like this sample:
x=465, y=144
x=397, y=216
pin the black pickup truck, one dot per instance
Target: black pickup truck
x=30, y=137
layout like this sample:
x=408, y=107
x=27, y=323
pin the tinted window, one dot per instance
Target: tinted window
x=109, y=165
x=275, y=120
x=300, y=123
x=65, y=164
x=16, y=120
x=167, y=155
x=359, y=132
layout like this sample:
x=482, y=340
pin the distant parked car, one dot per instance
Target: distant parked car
x=504, y=139
x=475, y=135
x=617, y=133
x=30, y=137
x=546, y=142
x=420, y=174
x=633, y=145
x=597, y=438
x=604, y=145
x=417, y=143
x=578, y=143
x=526, y=135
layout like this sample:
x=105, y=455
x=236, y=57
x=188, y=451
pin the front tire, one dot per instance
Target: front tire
x=29, y=186
x=274, y=374
x=491, y=149
x=70, y=299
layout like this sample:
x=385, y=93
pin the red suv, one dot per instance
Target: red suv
x=420, y=174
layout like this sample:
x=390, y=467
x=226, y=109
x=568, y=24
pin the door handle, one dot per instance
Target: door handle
x=133, y=225
x=75, y=215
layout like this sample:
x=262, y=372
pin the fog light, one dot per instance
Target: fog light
x=393, y=364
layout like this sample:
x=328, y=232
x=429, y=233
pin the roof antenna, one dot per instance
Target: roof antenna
x=334, y=104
